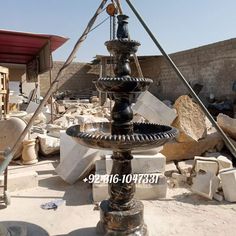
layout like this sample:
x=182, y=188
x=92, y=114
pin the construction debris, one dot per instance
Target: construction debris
x=170, y=169
x=197, y=138
x=76, y=160
x=154, y=110
x=228, y=178
x=205, y=184
x=48, y=145
x=185, y=167
x=228, y=124
x=190, y=120
x=187, y=150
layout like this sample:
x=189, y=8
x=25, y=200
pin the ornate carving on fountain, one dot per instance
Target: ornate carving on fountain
x=122, y=214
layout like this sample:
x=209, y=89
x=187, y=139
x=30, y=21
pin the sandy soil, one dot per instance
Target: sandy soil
x=181, y=213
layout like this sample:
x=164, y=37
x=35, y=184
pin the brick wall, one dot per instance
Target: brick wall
x=78, y=76
x=213, y=66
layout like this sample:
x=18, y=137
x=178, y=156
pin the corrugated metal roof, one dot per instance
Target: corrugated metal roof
x=21, y=47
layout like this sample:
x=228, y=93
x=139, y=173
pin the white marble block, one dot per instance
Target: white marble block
x=228, y=178
x=205, y=184
x=100, y=167
x=207, y=164
x=76, y=160
x=142, y=164
x=144, y=191
x=154, y=110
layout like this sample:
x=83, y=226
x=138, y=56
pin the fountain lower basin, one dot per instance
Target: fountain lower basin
x=98, y=135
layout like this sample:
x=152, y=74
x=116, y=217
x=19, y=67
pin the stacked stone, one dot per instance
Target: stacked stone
x=148, y=173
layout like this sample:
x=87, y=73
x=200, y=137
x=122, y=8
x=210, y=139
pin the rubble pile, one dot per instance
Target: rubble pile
x=193, y=160
x=45, y=133
x=211, y=176
x=196, y=133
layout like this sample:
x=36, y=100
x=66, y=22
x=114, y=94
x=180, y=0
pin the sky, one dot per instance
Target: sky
x=177, y=24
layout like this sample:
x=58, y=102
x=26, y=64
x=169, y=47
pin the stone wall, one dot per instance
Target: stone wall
x=77, y=77
x=213, y=66
x=151, y=68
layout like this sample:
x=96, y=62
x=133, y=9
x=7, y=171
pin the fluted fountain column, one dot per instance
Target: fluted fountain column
x=122, y=214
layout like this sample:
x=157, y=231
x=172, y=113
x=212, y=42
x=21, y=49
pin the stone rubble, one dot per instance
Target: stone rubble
x=190, y=120
x=228, y=124
x=187, y=150
x=213, y=176
x=153, y=110
x=48, y=145
x=170, y=169
x=228, y=178
x=205, y=184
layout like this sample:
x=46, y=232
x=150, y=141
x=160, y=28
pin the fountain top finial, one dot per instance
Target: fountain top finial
x=122, y=31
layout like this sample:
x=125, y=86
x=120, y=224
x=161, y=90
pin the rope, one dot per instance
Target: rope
x=95, y=27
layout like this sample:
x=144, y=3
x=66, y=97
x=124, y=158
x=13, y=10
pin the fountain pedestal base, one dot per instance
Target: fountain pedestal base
x=116, y=223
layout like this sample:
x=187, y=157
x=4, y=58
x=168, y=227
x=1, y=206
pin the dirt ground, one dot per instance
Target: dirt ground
x=181, y=213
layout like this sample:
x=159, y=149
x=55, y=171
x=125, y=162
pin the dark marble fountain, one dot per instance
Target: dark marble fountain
x=122, y=214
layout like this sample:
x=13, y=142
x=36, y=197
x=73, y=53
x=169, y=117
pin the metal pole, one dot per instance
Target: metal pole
x=50, y=79
x=53, y=88
x=228, y=143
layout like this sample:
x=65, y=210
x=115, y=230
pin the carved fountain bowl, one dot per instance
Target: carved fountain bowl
x=98, y=135
x=123, y=84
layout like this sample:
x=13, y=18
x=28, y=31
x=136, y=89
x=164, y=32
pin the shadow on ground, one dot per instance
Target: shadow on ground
x=81, y=232
x=21, y=228
x=77, y=194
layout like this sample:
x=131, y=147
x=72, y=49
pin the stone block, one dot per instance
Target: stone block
x=205, y=184
x=228, y=124
x=32, y=107
x=152, y=109
x=142, y=164
x=100, y=167
x=143, y=191
x=84, y=119
x=228, y=178
x=190, y=120
x=48, y=145
x=21, y=181
x=170, y=169
x=224, y=162
x=76, y=160
x=218, y=197
x=183, y=151
x=207, y=164
x=185, y=167
x=179, y=180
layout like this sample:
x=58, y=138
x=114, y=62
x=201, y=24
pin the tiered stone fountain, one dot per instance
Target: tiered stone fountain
x=122, y=214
